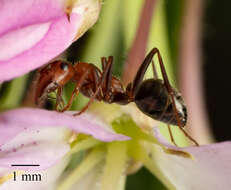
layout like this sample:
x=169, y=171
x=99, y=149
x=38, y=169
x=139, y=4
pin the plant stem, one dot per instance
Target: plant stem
x=191, y=80
x=138, y=49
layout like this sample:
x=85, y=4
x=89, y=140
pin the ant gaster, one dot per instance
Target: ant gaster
x=154, y=97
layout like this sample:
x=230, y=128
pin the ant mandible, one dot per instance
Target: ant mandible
x=154, y=97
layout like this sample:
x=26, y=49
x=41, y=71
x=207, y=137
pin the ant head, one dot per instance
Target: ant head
x=153, y=99
x=61, y=72
x=53, y=75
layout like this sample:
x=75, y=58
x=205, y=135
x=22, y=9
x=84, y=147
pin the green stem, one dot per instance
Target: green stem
x=138, y=49
x=12, y=96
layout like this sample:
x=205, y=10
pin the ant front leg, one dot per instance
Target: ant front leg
x=59, y=99
x=75, y=91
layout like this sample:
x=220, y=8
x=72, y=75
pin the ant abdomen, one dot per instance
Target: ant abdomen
x=153, y=99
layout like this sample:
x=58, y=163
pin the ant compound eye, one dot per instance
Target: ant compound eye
x=64, y=66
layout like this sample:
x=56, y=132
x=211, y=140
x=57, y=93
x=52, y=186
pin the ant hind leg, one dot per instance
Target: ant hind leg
x=171, y=93
x=171, y=135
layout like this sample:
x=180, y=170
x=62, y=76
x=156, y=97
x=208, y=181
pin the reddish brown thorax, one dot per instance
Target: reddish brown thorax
x=56, y=74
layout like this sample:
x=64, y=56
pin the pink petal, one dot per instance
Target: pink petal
x=210, y=168
x=32, y=33
x=16, y=121
x=34, y=147
x=49, y=179
x=44, y=155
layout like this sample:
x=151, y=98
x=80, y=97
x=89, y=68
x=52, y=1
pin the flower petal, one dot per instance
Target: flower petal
x=16, y=121
x=34, y=147
x=33, y=32
x=15, y=14
x=210, y=168
x=48, y=179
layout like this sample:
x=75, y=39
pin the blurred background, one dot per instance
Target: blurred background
x=194, y=39
x=216, y=66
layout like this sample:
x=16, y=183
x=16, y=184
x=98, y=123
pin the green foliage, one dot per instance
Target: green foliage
x=11, y=93
x=173, y=11
x=143, y=179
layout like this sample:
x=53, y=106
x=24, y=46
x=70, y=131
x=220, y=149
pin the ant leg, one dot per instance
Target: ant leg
x=102, y=80
x=171, y=136
x=75, y=91
x=103, y=62
x=73, y=94
x=170, y=91
x=165, y=109
x=139, y=78
x=140, y=74
x=187, y=135
x=58, y=94
x=59, y=98
x=109, y=74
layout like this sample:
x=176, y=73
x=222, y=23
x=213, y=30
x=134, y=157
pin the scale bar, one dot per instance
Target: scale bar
x=25, y=165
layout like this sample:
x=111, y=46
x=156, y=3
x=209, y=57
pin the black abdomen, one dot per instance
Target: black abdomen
x=153, y=100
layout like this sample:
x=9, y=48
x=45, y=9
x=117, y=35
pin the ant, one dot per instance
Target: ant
x=154, y=97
